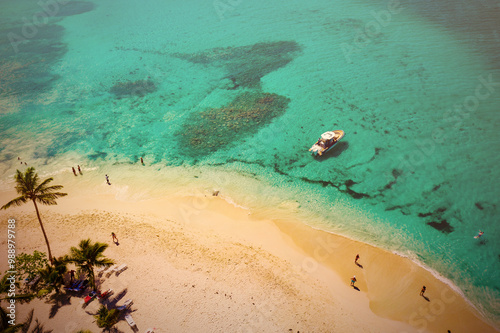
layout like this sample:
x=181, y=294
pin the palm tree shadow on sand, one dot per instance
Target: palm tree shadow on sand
x=58, y=300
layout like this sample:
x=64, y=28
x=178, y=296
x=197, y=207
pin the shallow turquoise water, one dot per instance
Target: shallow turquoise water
x=249, y=86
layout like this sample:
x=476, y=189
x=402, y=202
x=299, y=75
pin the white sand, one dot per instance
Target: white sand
x=199, y=264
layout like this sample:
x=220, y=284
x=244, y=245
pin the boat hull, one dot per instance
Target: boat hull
x=318, y=150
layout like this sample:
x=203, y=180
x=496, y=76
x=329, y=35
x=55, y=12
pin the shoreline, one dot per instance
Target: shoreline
x=385, y=280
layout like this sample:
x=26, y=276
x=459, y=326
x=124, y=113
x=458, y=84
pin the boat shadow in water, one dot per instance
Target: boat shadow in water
x=335, y=151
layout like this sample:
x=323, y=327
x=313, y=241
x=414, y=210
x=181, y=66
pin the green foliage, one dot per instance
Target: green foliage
x=4, y=289
x=53, y=275
x=88, y=256
x=84, y=331
x=28, y=265
x=5, y=284
x=107, y=318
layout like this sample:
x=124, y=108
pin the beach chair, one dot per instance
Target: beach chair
x=34, y=282
x=105, y=294
x=89, y=298
x=75, y=285
x=82, y=286
x=101, y=270
x=126, y=305
x=130, y=320
x=120, y=269
x=111, y=270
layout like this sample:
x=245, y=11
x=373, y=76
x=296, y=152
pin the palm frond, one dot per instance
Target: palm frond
x=43, y=185
x=15, y=202
x=49, y=198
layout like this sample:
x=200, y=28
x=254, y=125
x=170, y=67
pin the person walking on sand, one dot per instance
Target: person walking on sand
x=79, y=170
x=422, y=291
x=107, y=180
x=356, y=260
x=74, y=172
x=353, y=280
x=115, y=239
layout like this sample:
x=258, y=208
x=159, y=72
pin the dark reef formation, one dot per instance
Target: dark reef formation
x=216, y=128
x=246, y=65
x=74, y=8
x=133, y=88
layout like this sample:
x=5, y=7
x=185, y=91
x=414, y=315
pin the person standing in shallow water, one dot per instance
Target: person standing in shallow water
x=142, y=161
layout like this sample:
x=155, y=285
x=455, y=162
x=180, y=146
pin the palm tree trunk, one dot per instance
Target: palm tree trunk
x=43, y=231
x=92, y=278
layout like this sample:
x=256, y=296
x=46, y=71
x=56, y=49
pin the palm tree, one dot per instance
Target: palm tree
x=29, y=188
x=89, y=256
x=53, y=275
x=107, y=318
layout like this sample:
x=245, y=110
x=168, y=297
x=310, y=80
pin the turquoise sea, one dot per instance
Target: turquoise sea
x=233, y=93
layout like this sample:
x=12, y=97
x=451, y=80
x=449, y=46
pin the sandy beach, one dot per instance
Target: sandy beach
x=201, y=264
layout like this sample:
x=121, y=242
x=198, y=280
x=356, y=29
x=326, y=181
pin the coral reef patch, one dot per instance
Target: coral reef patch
x=246, y=65
x=133, y=88
x=216, y=128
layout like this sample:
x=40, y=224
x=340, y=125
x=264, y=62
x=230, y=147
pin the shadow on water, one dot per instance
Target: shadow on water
x=335, y=152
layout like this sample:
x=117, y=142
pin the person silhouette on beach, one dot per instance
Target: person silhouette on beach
x=353, y=280
x=115, y=239
x=356, y=260
x=107, y=180
x=79, y=170
x=74, y=171
x=142, y=161
x=422, y=291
